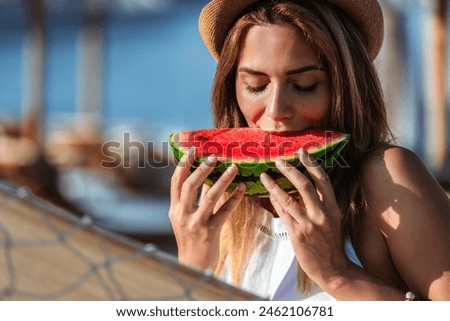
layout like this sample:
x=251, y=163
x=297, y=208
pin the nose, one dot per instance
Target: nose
x=278, y=107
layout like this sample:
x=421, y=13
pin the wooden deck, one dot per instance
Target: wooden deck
x=49, y=254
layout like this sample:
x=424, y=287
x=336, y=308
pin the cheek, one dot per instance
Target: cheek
x=252, y=114
x=313, y=116
x=317, y=110
x=313, y=113
x=250, y=108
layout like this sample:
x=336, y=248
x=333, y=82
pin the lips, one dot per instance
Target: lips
x=282, y=129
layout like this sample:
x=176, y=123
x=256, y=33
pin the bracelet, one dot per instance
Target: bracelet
x=410, y=296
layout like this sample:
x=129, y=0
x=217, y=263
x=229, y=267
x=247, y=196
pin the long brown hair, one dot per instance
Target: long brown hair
x=357, y=106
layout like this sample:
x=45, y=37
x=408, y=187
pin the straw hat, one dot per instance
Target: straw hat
x=218, y=16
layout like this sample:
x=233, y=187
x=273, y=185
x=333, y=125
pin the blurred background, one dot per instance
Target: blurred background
x=89, y=81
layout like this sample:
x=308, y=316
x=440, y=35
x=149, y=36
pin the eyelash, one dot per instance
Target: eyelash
x=309, y=89
x=260, y=90
x=256, y=90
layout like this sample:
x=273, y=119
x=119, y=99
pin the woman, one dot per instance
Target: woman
x=377, y=229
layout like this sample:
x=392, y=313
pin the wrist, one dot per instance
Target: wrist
x=197, y=263
x=353, y=283
x=334, y=280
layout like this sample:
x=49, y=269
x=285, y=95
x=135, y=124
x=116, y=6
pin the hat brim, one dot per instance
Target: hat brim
x=218, y=16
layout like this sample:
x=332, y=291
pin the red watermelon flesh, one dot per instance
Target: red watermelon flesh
x=254, y=144
x=255, y=151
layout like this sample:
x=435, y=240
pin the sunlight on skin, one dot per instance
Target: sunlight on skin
x=392, y=217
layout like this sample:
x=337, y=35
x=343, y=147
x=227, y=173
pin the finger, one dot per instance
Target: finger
x=189, y=190
x=289, y=204
x=320, y=177
x=287, y=219
x=180, y=174
x=229, y=206
x=304, y=186
x=205, y=189
x=210, y=199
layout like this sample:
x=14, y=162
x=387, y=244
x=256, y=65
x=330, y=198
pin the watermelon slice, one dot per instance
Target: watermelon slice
x=254, y=151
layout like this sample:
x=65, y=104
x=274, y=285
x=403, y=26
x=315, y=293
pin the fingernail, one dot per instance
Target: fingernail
x=241, y=187
x=211, y=159
x=303, y=152
x=265, y=179
x=280, y=162
x=191, y=151
x=231, y=169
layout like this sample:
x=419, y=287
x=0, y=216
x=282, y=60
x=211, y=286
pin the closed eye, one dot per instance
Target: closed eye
x=256, y=90
x=302, y=89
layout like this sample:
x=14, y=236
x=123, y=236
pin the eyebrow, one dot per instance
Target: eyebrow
x=290, y=72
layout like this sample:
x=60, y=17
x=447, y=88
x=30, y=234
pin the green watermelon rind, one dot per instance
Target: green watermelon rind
x=249, y=172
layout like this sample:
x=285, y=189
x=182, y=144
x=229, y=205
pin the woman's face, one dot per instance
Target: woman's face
x=280, y=82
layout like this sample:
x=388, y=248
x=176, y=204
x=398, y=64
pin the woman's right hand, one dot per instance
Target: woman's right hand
x=197, y=226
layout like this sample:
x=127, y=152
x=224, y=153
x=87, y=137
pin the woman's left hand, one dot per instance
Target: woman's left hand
x=313, y=221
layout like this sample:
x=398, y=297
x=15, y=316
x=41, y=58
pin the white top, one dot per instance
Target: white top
x=272, y=268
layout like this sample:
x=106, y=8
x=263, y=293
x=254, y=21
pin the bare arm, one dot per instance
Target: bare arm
x=408, y=208
x=412, y=213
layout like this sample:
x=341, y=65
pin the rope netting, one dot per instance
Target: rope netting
x=47, y=253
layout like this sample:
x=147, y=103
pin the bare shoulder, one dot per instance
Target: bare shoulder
x=395, y=169
x=396, y=178
x=394, y=162
x=411, y=211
